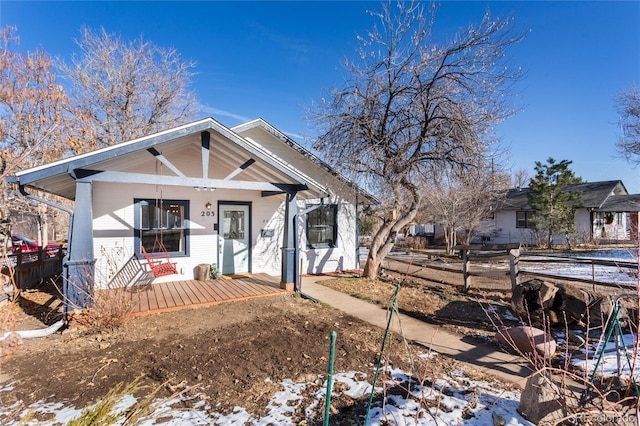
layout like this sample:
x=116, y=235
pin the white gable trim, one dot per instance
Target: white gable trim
x=66, y=166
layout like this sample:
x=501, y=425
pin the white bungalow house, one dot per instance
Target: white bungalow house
x=607, y=212
x=248, y=199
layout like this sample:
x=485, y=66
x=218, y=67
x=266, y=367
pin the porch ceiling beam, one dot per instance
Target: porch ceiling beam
x=205, y=138
x=272, y=193
x=285, y=188
x=240, y=169
x=165, y=161
x=85, y=175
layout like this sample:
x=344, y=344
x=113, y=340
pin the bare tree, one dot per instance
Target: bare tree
x=33, y=121
x=412, y=102
x=33, y=110
x=627, y=104
x=482, y=190
x=124, y=90
x=463, y=203
x=520, y=178
x=442, y=206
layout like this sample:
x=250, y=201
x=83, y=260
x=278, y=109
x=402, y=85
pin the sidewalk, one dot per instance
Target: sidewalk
x=506, y=367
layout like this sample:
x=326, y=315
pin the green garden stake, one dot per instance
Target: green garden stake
x=327, y=405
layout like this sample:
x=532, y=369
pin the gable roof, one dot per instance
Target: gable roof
x=594, y=195
x=232, y=152
x=259, y=125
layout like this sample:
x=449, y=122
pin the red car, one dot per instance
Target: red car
x=26, y=245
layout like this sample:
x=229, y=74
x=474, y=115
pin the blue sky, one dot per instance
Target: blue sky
x=273, y=59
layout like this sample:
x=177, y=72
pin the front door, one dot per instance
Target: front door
x=235, y=244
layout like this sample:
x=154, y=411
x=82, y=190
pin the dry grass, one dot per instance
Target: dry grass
x=105, y=411
x=439, y=304
x=110, y=310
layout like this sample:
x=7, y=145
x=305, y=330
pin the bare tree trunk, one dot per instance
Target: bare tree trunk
x=450, y=237
x=467, y=238
x=447, y=238
x=384, y=239
x=374, y=259
x=454, y=239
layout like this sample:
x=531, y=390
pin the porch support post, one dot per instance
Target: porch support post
x=80, y=264
x=289, y=267
x=205, y=138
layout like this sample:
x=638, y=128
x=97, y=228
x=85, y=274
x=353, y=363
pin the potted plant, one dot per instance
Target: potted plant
x=215, y=273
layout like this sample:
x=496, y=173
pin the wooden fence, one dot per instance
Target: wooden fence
x=490, y=251
x=518, y=264
x=32, y=268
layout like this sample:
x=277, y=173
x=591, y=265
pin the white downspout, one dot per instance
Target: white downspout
x=30, y=334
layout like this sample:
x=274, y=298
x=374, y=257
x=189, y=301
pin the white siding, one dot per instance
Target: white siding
x=113, y=230
x=507, y=232
x=268, y=214
x=338, y=258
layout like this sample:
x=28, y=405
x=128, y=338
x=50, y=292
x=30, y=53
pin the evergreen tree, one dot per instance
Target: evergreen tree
x=554, y=204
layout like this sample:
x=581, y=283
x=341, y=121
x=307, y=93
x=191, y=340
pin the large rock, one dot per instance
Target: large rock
x=533, y=298
x=540, y=302
x=543, y=402
x=524, y=339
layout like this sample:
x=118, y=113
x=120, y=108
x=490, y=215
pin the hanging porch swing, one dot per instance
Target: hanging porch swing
x=159, y=260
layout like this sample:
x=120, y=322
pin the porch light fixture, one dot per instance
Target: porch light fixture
x=208, y=206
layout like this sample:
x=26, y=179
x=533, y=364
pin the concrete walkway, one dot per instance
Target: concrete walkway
x=508, y=368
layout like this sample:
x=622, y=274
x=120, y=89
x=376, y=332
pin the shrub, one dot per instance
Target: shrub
x=110, y=309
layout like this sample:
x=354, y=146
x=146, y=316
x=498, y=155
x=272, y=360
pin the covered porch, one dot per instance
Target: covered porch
x=200, y=193
x=175, y=295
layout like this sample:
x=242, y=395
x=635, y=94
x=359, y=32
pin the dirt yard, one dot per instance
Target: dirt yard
x=238, y=352
x=232, y=353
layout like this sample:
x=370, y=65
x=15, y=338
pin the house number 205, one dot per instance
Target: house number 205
x=206, y=213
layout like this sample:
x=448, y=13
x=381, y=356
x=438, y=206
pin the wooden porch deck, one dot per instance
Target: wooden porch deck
x=175, y=295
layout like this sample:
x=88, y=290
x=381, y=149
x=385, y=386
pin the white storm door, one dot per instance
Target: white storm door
x=234, y=236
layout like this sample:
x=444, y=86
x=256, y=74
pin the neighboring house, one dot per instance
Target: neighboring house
x=607, y=212
x=422, y=229
x=248, y=199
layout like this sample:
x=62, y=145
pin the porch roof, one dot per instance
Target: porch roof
x=622, y=203
x=244, y=163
